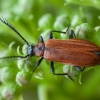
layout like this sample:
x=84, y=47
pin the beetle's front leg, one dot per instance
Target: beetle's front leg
x=38, y=63
x=53, y=71
x=41, y=39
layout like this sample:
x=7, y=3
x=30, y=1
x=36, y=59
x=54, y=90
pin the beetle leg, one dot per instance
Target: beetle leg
x=41, y=39
x=51, y=33
x=53, y=71
x=98, y=53
x=79, y=68
x=83, y=69
x=38, y=63
x=72, y=34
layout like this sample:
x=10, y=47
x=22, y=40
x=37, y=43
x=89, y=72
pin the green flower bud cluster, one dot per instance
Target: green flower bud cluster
x=84, y=31
x=61, y=23
x=8, y=70
x=12, y=78
x=47, y=21
x=25, y=66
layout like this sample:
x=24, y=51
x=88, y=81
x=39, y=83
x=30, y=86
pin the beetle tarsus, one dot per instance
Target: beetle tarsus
x=79, y=68
x=53, y=71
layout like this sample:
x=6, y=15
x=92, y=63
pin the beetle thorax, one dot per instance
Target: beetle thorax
x=39, y=49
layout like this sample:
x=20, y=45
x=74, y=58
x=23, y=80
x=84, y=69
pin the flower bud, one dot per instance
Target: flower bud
x=84, y=31
x=10, y=91
x=70, y=70
x=10, y=46
x=8, y=52
x=65, y=36
x=18, y=51
x=24, y=50
x=26, y=64
x=61, y=22
x=39, y=75
x=21, y=63
x=75, y=20
x=45, y=22
x=96, y=29
x=29, y=66
x=23, y=78
x=7, y=74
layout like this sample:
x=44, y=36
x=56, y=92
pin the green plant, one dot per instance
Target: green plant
x=33, y=18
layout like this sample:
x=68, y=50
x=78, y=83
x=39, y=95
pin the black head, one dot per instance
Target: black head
x=30, y=50
x=37, y=50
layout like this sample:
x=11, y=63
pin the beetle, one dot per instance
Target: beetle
x=76, y=52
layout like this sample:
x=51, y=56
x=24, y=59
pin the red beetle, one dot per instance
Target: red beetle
x=73, y=51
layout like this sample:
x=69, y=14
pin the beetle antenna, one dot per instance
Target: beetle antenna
x=9, y=57
x=3, y=20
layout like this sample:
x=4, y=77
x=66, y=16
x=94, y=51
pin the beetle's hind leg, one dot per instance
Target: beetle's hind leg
x=53, y=71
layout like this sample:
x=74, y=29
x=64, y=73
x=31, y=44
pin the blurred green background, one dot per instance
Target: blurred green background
x=33, y=18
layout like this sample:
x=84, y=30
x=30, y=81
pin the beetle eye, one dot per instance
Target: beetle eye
x=40, y=48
